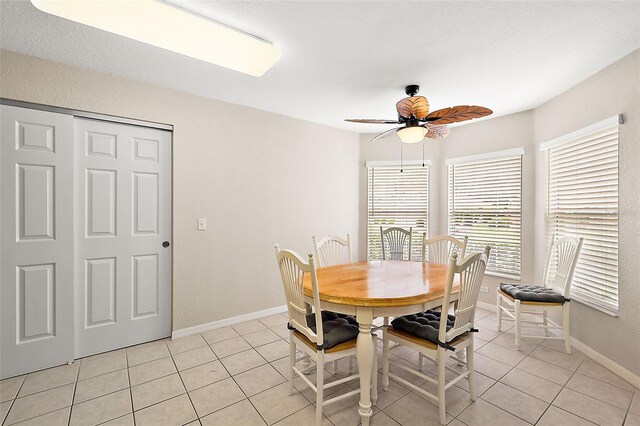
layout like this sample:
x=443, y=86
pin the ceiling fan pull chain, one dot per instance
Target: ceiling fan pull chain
x=422, y=152
x=401, y=157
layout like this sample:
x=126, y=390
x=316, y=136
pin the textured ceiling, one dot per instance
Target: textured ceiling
x=345, y=59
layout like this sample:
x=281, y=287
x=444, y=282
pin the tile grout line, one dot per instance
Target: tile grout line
x=44, y=390
x=182, y=381
x=499, y=381
x=51, y=388
x=574, y=372
x=116, y=418
x=541, y=344
x=73, y=397
x=601, y=381
x=500, y=408
x=105, y=394
x=14, y=399
x=220, y=360
x=534, y=397
x=592, y=378
x=398, y=400
x=592, y=397
x=35, y=393
x=286, y=381
x=126, y=357
x=236, y=383
x=158, y=402
x=563, y=388
x=268, y=363
x=155, y=378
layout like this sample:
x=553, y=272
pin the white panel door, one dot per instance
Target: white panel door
x=123, y=269
x=36, y=233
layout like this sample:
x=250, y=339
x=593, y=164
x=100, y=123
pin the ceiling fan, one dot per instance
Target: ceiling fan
x=413, y=112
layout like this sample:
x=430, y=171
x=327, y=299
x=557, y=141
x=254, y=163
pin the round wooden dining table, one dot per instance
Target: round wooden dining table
x=378, y=289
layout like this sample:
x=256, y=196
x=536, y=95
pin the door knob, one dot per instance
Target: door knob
x=165, y=244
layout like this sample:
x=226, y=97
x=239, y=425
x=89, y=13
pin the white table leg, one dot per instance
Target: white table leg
x=374, y=374
x=366, y=352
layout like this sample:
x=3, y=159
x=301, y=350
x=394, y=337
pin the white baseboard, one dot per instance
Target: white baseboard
x=184, y=332
x=487, y=306
x=615, y=368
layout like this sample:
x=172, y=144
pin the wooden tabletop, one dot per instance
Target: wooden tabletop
x=381, y=283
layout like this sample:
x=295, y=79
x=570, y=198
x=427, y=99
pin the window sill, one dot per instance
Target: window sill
x=585, y=300
x=501, y=275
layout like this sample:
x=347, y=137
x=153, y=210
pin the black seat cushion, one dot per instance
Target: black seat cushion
x=337, y=328
x=425, y=325
x=532, y=293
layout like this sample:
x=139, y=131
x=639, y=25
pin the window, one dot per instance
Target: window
x=582, y=201
x=397, y=199
x=485, y=204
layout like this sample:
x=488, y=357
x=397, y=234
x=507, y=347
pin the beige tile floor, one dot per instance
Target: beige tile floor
x=236, y=376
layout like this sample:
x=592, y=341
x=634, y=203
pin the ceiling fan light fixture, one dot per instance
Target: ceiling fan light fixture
x=412, y=134
x=161, y=25
x=414, y=110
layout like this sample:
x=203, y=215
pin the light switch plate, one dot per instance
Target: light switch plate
x=484, y=289
x=202, y=224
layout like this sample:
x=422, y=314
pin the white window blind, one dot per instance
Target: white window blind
x=582, y=201
x=485, y=204
x=397, y=199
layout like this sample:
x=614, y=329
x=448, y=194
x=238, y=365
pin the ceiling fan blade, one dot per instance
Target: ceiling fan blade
x=383, y=134
x=418, y=106
x=436, y=131
x=457, y=113
x=373, y=121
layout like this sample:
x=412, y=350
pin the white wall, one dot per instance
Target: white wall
x=614, y=90
x=258, y=177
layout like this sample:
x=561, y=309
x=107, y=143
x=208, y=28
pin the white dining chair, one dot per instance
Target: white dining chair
x=396, y=243
x=439, y=249
x=332, y=250
x=538, y=300
x=323, y=341
x=438, y=338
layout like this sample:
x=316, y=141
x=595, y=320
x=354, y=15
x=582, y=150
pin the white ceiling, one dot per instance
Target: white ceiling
x=352, y=59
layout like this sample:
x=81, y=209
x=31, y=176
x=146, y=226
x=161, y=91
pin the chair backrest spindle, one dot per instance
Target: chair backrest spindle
x=439, y=249
x=562, y=259
x=332, y=250
x=396, y=243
